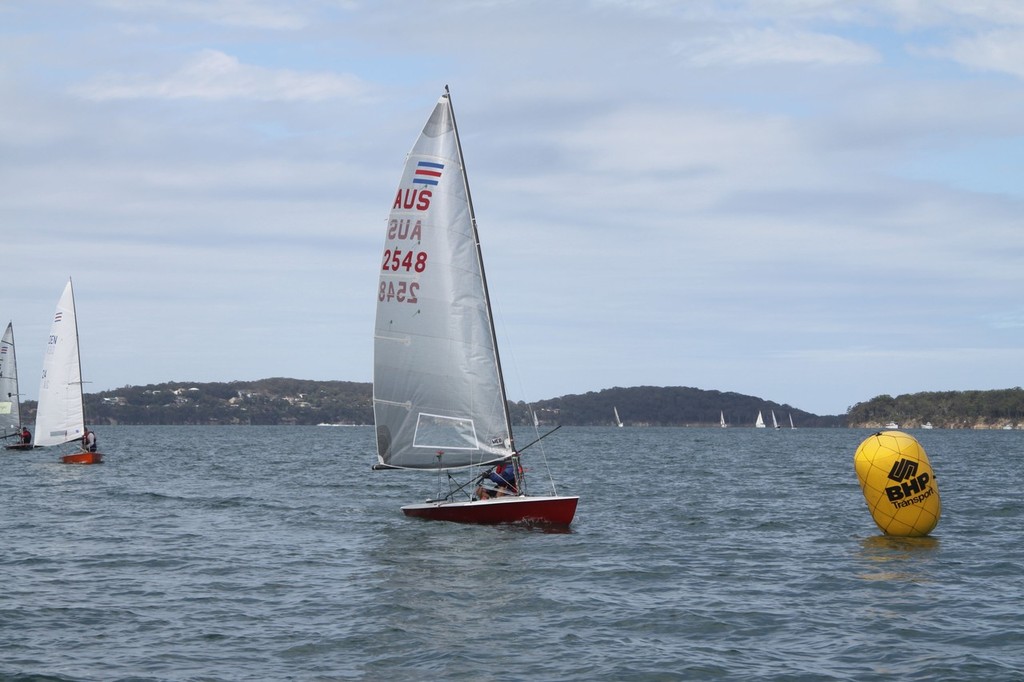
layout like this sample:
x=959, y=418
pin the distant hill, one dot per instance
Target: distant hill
x=298, y=401
x=943, y=410
x=266, y=401
x=671, y=406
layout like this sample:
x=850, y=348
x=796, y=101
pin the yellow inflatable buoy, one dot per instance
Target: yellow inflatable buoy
x=898, y=484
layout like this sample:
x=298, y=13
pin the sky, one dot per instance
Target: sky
x=810, y=201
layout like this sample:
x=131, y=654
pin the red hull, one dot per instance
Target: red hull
x=83, y=458
x=553, y=511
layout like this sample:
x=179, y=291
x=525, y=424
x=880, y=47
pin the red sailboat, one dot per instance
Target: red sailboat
x=438, y=392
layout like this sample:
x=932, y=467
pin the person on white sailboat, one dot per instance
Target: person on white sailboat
x=503, y=476
x=89, y=440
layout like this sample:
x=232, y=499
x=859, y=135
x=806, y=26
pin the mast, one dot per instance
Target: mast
x=78, y=348
x=483, y=275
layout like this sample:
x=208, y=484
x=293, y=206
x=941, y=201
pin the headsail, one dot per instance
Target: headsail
x=59, y=416
x=10, y=403
x=438, y=394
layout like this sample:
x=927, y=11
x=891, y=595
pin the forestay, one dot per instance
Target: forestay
x=60, y=416
x=438, y=395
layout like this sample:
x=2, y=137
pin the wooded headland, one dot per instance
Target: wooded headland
x=299, y=401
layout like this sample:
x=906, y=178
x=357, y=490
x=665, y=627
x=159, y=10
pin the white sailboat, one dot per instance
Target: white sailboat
x=617, y=420
x=438, y=393
x=791, y=421
x=10, y=399
x=60, y=415
x=721, y=419
x=759, y=424
x=775, y=422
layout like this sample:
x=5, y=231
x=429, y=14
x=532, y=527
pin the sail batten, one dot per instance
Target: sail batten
x=438, y=396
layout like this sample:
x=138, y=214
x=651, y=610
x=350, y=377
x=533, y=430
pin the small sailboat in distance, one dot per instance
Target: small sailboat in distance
x=60, y=415
x=775, y=422
x=721, y=419
x=759, y=424
x=438, y=392
x=617, y=420
x=10, y=399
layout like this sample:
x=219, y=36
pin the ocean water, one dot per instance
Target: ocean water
x=275, y=553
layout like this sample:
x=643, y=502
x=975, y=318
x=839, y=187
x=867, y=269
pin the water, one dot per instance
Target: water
x=248, y=553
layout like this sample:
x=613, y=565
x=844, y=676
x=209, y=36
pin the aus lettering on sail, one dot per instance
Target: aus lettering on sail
x=403, y=259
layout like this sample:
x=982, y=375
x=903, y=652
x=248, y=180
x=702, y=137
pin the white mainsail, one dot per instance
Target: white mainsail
x=438, y=393
x=617, y=420
x=60, y=417
x=721, y=419
x=775, y=422
x=10, y=403
x=759, y=424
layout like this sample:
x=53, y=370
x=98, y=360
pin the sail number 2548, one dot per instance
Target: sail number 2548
x=401, y=291
x=397, y=259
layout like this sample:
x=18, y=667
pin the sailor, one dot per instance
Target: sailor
x=503, y=476
x=89, y=440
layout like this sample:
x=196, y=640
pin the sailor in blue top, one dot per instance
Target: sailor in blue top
x=504, y=476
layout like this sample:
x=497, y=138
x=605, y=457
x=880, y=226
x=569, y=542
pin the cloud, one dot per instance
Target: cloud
x=958, y=14
x=214, y=75
x=708, y=220
x=1000, y=50
x=756, y=46
x=244, y=13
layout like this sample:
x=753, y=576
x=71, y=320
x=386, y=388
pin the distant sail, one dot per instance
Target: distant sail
x=10, y=403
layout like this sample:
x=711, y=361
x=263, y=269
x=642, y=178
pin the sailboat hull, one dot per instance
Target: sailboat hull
x=554, y=511
x=83, y=458
x=19, y=446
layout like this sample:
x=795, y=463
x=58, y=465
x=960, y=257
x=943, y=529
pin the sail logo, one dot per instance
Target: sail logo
x=56, y=318
x=427, y=173
x=912, y=488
